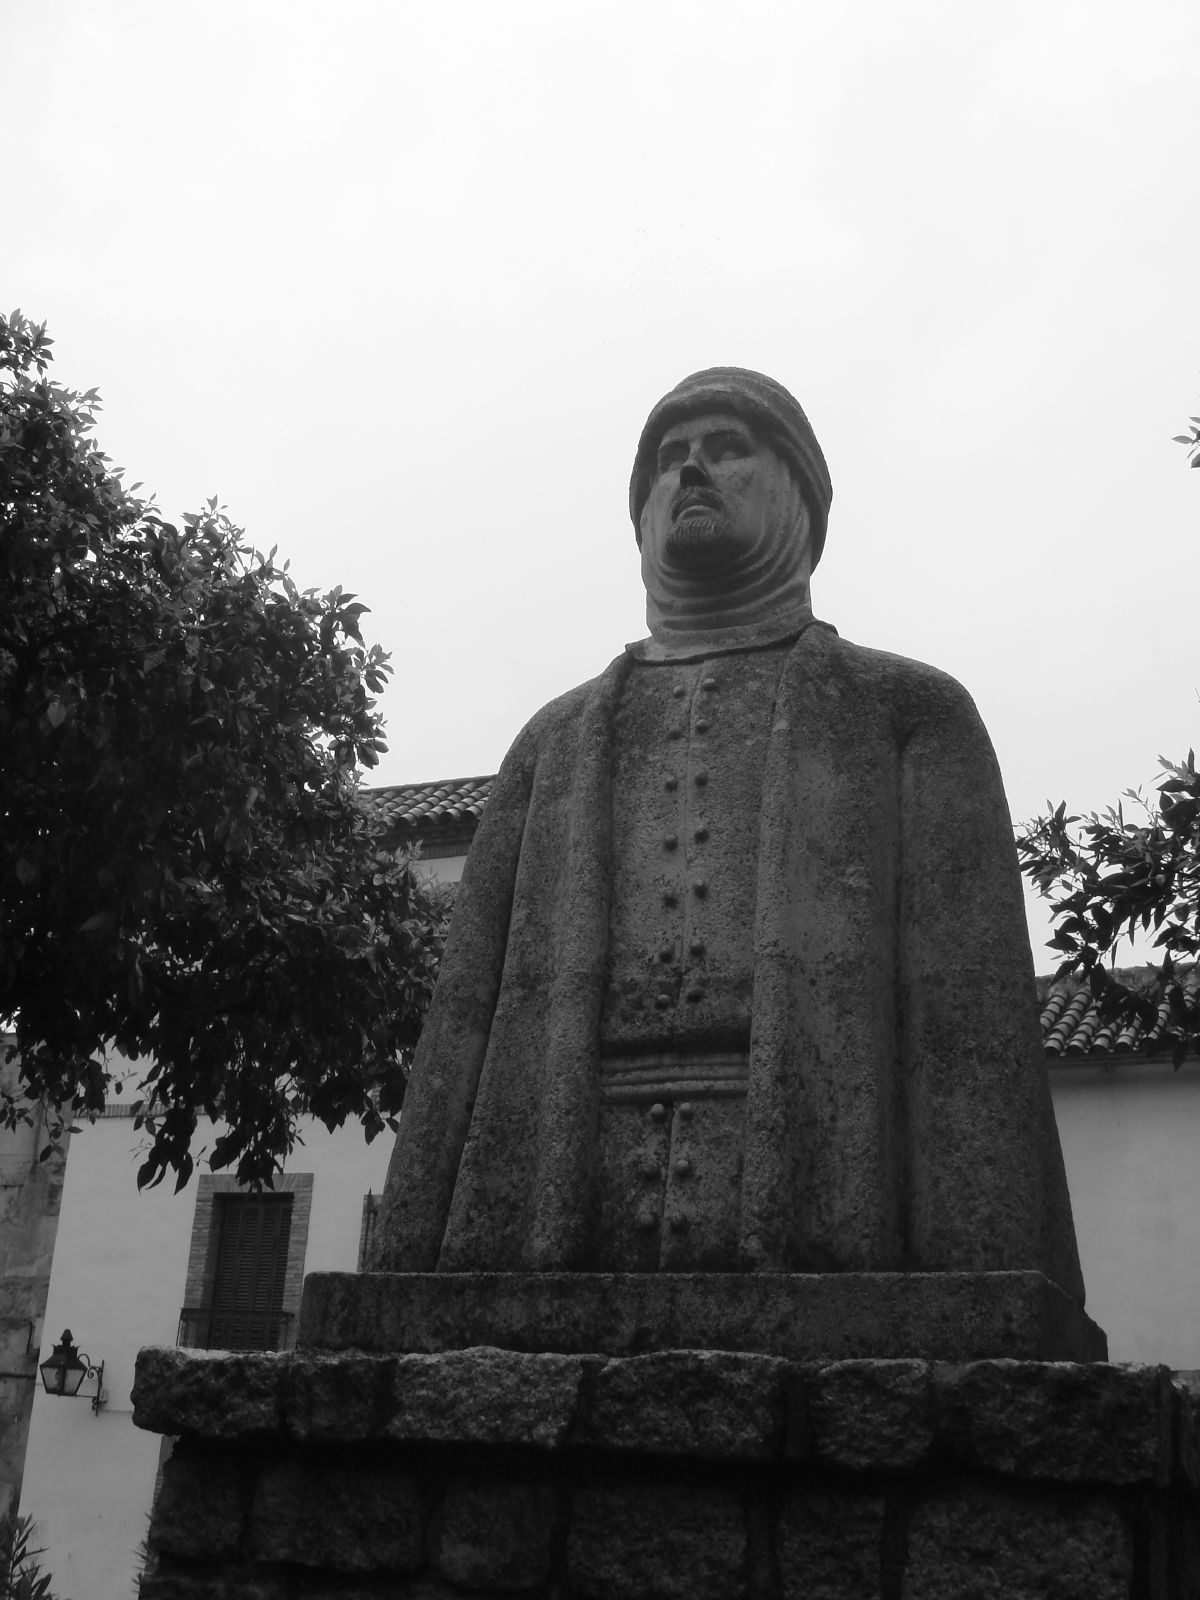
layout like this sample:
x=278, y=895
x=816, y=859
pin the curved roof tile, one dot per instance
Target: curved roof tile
x=447, y=802
x=1072, y=1024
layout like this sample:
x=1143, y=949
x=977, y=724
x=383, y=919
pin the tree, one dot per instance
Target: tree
x=1110, y=876
x=189, y=869
x=21, y=1574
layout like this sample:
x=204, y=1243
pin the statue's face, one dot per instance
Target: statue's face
x=718, y=494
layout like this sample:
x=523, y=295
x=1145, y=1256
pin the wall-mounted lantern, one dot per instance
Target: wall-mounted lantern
x=66, y=1368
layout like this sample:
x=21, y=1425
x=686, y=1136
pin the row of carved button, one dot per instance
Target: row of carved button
x=677, y=1222
x=681, y=1168
x=699, y=833
x=651, y=1170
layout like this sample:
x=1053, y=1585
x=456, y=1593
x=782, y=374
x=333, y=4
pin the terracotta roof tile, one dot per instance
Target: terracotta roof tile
x=1073, y=1027
x=429, y=807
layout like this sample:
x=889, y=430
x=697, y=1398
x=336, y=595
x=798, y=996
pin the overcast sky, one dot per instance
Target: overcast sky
x=399, y=283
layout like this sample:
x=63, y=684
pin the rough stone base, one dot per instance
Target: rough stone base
x=941, y=1316
x=682, y=1475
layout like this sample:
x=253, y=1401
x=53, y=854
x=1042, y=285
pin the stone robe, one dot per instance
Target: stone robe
x=896, y=1113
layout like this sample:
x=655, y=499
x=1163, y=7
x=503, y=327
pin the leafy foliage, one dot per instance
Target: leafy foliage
x=189, y=870
x=1110, y=876
x=1192, y=440
x=21, y=1575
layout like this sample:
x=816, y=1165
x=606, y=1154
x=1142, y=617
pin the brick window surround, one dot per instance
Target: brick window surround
x=206, y=1223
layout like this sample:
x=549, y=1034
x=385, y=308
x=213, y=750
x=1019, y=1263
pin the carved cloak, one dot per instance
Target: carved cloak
x=898, y=1115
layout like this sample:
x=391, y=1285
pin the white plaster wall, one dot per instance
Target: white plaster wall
x=118, y=1283
x=1131, y=1142
x=443, y=869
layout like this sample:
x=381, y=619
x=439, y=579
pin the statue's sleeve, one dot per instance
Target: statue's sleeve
x=445, y=1074
x=984, y=1158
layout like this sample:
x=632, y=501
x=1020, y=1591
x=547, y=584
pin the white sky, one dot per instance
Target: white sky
x=399, y=283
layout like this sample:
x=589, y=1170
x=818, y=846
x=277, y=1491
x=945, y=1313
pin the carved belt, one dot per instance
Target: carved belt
x=644, y=1079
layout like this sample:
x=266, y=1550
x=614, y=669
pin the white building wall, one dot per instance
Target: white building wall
x=118, y=1283
x=443, y=869
x=1131, y=1142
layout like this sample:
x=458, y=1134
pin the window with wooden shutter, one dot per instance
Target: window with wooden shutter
x=245, y=1266
x=246, y=1310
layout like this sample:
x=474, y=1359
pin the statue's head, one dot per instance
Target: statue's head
x=726, y=462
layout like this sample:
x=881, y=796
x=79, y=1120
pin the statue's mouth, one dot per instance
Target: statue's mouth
x=695, y=500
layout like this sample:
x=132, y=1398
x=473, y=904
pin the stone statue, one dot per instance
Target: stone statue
x=739, y=978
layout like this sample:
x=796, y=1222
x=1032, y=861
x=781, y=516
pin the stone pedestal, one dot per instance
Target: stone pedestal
x=946, y=1316
x=682, y=1474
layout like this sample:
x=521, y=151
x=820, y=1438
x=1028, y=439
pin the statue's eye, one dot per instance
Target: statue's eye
x=730, y=448
x=671, y=455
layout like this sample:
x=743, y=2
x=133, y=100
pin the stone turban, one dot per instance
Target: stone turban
x=764, y=404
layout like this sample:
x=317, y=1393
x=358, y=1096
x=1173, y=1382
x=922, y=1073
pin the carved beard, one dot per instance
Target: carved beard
x=697, y=541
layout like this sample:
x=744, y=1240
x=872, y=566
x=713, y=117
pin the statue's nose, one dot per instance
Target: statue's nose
x=692, y=475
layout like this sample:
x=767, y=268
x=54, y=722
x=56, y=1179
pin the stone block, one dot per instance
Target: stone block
x=946, y=1316
x=995, y=1548
x=422, y=1588
x=15, y=1354
x=1187, y=1430
x=497, y=1535
x=829, y=1547
x=200, y=1512
x=212, y=1393
x=213, y=1586
x=1188, y=1547
x=688, y=1403
x=486, y=1397
x=869, y=1416
x=1069, y=1422
x=338, y=1398
x=340, y=1515
x=655, y=1541
x=16, y=1394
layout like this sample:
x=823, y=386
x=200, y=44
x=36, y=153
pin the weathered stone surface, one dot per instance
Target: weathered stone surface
x=338, y=1398
x=829, y=1547
x=977, y=1548
x=1038, y=1420
x=1187, y=1544
x=201, y=1508
x=689, y=1403
x=497, y=1535
x=486, y=1397
x=337, y=1514
x=215, y=1586
x=870, y=1415
x=1028, y=1486
x=950, y=1316
x=1059, y=1420
x=654, y=1541
x=423, y=1588
x=212, y=1393
x=398, y=1588
x=1187, y=1428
